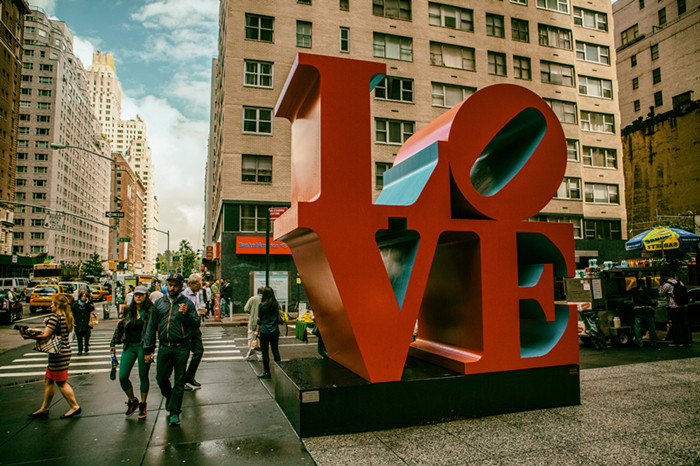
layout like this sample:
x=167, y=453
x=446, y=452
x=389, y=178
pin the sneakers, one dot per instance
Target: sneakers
x=174, y=420
x=131, y=407
x=142, y=410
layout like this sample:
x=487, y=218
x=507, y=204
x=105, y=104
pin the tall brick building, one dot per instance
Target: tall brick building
x=436, y=54
x=131, y=191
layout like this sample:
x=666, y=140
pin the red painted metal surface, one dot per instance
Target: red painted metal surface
x=452, y=251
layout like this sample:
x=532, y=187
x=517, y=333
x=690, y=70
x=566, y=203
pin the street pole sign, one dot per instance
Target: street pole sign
x=275, y=212
x=54, y=222
x=125, y=240
x=114, y=214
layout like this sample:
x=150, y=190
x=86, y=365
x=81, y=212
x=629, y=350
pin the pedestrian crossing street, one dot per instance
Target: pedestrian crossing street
x=217, y=348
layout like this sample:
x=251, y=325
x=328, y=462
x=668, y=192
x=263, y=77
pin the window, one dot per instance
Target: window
x=43, y=118
x=603, y=229
x=25, y=104
x=36, y=249
x=599, y=157
x=557, y=73
x=494, y=25
x=450, y=17
x=521, y=68
x=345, y=40
x=565, y=111
x=497, y=63
x=590, y=19
x=392, y=88
x=45, y=79
x=27, y=66
x=42, y=131
x=26, y=78
x=28, y=53
x=259, y=28
x=637, y=105
x=43, y=105
x=597, y=122
x=41, y=144
x=398, y=9
x=23, y=130
x=19, y=222
x=20, y=182
x=519, y=2
x=570, y=188
x=304, y=2
x=304, y=34
x=519, y=29
x=253, y=217
x=654, y=52
x=256, y=168
x=37, y=235
x=26, y=91
x=602, y=193
x=41, y=157
x=39, y=196
x=551, y=36
x=635, y=83
x=18, y=235
x=37, y=222
x=572, y=150
x=381, y=168
x=41, y=170
x=345, y=5
x=43, y=67
x=257, y=120
x=393, y=131
x=595, y=87
x=641, y=4
x=22, y=143
x=394, y=47
x=662, y=16
x=258, y=74
x=452, y=56
x=21, y=169
x=681, y=7
x=21, y=156
x=656, y=75
x=633, y=60
x=593, y=53
x=658, y=99
x=449, y=95
x=29, y=29
x=628, y=35
x=20, y=196
x=556, y=5
x=44, y=92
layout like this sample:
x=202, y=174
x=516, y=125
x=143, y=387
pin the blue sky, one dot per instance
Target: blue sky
x=163, y=51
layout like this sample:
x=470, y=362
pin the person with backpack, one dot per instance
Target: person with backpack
x=677, y=295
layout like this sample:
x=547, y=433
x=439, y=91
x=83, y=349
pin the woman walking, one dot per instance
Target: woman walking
x=267, y=329
x=131, y=330
x=82, y=309
x=60, y=324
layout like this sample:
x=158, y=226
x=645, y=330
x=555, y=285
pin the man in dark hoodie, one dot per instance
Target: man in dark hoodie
x=173, y=319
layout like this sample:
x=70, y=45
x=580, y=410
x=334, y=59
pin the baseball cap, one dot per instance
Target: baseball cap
x=177, y=277
x=141, y=289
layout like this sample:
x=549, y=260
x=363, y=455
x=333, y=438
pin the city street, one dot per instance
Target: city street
x=638, y=405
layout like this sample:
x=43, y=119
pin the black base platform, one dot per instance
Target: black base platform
x=321, y=397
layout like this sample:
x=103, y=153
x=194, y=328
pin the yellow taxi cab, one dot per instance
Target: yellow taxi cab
x=98, y=292
x=42, y=296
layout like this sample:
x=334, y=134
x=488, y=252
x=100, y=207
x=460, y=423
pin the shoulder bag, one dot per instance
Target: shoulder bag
x=51, y=345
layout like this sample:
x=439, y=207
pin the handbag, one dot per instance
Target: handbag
x=256, y=344
x=93, y=319
x=282, y=317
x=51, y=345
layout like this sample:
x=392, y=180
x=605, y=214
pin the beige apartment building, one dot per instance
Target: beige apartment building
x=436, y=54
x=56, y=107
x=11, y=43
x=127, y=137
x=658, y=62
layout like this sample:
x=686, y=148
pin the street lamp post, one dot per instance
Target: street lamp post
x=167, y=233
x=115, y=219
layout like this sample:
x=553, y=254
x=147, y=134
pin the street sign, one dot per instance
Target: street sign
x=275, y=212
x=54, y=221
x=125, y=240
x=114, y=214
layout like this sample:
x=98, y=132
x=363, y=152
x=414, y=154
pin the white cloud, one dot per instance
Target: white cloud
x=49, y=6
x=84, y=49
x=179, y=147
x=197, y=93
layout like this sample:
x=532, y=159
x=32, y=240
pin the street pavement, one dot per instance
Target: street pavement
x=639, y=406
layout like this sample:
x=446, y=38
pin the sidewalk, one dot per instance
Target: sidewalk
x=643, y=414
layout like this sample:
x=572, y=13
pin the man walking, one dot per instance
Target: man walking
x=251, y=307
x=196, y=346
x=173, y=319
x=225, y=297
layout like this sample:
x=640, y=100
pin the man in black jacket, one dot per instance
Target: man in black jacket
x=173, y=319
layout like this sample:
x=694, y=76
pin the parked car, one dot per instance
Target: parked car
x=42, y=296
x=75, y=288
x=98, y=292
x=17, y=285
x=694, y=308
x=10, y=306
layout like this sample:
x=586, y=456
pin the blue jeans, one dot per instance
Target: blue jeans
x=644, y=315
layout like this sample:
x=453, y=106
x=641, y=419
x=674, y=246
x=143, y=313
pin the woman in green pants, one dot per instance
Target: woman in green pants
x=131, y=330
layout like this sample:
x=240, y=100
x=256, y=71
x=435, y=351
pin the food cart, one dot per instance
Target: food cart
x=607, y=293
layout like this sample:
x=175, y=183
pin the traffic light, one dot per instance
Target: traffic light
x=111, y=265
x=119, y=204
x=157, y=265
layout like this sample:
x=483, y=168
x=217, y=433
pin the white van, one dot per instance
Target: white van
x=18, y=285
x=75, y=288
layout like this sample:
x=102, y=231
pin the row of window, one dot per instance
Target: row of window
x=40, y=92
x=595, y=193
x=586, y=228
x=39, y=144
x=27, y=78
x=42, y=66
x=658, y=101
x=39, y=131
x=33, y=235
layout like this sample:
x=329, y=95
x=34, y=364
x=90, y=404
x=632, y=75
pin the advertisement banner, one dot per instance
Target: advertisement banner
x=217, y=307
x=279, y=282
x=256, y=245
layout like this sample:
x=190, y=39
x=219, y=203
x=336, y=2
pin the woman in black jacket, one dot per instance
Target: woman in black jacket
x=268, y=330
x=82, y=308
x=131, y=330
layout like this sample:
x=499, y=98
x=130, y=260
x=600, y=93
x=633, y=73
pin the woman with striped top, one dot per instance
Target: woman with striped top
x=60, y=323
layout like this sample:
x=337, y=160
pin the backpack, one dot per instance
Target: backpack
x=680, y=293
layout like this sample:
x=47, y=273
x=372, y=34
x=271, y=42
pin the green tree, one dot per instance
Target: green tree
x=93, y=266
x=189, y=258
